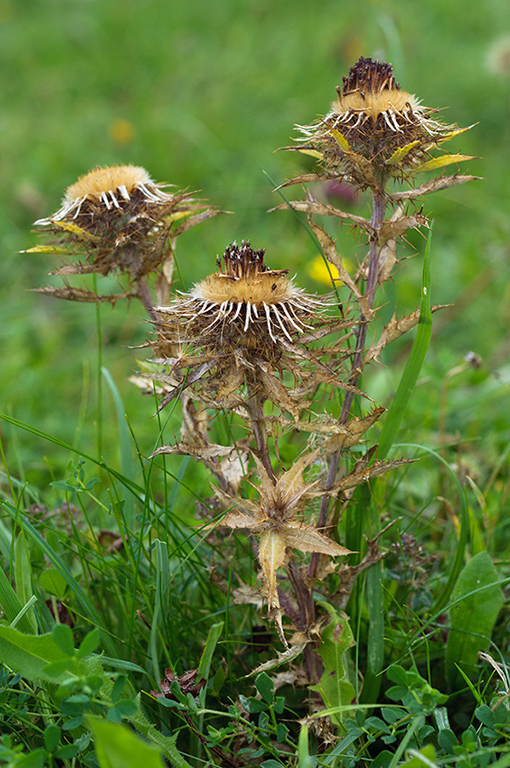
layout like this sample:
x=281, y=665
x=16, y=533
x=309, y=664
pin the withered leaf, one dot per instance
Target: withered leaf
x=282, y=658
x=330, y=252
x=375, y=470
x=79, y=294
x=393, y=330
x=324, y=209
x=352, y=431
x=443, y=182
x=392, y=229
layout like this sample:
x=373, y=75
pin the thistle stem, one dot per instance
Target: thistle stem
x=377, y=219
x=255, y=404
x=146, y=299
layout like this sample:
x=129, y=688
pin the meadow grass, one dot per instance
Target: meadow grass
x=202, y=95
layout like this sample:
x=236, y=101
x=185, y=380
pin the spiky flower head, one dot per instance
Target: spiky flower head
x=109, y=188
x=243, y=321
x=121, y=220
x=375, y=130
x=244, y=304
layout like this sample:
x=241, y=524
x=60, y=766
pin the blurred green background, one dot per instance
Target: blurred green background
x=202, y=94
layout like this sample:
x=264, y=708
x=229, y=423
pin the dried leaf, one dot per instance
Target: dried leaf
x=79, y=294
x=435, y=185
x=387, y=259
x=352, y=432
x=306, y=538
x=375, y=470
x=276, y=391
x=282, y=658
x=394, y=228
x=393, y=330
x=323, y=209
x=272, y=555
x=330, y=252
x=305, y=178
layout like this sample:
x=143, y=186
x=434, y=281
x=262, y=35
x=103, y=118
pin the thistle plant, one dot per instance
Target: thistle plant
x=248, y=346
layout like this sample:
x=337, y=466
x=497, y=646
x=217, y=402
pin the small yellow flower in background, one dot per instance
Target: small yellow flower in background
x=324, y=272
x=121, y=131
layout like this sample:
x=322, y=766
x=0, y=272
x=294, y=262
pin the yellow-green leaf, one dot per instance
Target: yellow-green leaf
x=440, y=162
x=401, y=152
x=341, y=140
x=76, y=230
x=311, y=152
x=47, y=249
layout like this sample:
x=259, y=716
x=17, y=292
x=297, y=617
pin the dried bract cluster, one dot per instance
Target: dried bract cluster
x=375, y=130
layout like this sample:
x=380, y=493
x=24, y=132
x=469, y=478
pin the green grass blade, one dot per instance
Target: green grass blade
x=23, y=578
x=211, y=642
x=413, y=365
x=124, y=443
x=12, y=605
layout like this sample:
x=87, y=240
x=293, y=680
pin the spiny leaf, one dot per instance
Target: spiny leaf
x=435, y=185
x=441, y=162
x=401, y=152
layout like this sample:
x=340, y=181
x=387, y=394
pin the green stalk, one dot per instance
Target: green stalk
x=375, y=598
x=413, y=365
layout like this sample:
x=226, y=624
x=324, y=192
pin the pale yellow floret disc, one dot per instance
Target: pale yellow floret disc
x=108, y=179
x=263, y=288
x=372, y=104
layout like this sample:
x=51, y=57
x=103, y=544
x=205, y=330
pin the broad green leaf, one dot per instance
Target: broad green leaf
x=265, y=687
x=305, y=760
x=477, y=600
x=89, y=644
x=63, y=637
x=334, y=686
x=53, y=582
x=118, y=747
x=167, y=744
x=30, y=654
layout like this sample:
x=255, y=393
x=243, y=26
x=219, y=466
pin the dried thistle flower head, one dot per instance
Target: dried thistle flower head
x=244, y=321
x=122, y=221
x=244, y=303
x=375, y=130
x=110, y=187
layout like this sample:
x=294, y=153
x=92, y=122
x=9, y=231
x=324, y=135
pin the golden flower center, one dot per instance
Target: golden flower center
x=102, y=180
x=374, y=103
x=263, y=288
